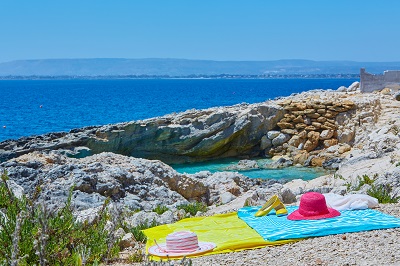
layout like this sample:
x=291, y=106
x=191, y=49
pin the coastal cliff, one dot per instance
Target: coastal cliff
x=194, y=135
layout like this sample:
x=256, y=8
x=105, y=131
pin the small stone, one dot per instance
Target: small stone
x=397, y=96
x=344, y=237
x=326, y=134
x=273, y=134
x=127, y=240
x=284, y=125
x=299, y=119
x=289, y=131
x=386, y=91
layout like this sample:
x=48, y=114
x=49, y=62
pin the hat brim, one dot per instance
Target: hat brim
x=298, y=216
x=161, y=250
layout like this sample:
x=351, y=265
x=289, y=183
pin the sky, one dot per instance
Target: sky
x=355, y=30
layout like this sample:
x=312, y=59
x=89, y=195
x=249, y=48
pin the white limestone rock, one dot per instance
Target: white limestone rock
x=297, y=186
x=273, y=134
x=265, y=143
x=326, y=134
x=226, y=197
x=243, y=165
x=354, y=86
x=280, y=139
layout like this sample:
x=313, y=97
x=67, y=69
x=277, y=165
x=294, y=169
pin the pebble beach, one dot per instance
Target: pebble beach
x=377, y=247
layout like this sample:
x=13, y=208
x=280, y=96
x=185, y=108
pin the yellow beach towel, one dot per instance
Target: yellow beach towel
x=227, y=231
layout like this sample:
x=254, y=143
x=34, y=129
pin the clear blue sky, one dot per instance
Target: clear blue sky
x=357, y=30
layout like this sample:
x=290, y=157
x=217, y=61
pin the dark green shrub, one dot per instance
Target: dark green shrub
x=160, y=209
x=31, y=234
x=365, y=179
x=17, y=227
x=137, y=231
x=193, y=207
x=382, y=193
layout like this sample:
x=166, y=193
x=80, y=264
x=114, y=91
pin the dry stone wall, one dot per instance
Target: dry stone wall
x=307, y=125
x=319, y=126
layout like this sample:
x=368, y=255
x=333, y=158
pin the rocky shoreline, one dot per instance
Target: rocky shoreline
x=356, y=135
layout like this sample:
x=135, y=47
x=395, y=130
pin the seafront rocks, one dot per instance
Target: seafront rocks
x=194, y=135
x=137, y=184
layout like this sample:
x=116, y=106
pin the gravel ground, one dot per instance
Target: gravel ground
x=378, y=247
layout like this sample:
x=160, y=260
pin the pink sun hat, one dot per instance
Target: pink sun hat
x=179, y=244
x=313, y=207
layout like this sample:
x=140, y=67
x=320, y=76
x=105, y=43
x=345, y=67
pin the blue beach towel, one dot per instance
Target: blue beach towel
x=273, y=228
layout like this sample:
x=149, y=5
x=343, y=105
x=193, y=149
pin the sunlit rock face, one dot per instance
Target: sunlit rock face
x=194, y=135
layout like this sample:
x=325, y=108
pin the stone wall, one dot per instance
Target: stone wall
x=308, y=125
x=370, y=82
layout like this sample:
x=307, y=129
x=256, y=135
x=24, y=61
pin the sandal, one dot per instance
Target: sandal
x=280, y=210
x=273, y=203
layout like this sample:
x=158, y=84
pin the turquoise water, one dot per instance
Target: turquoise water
x=288, y=173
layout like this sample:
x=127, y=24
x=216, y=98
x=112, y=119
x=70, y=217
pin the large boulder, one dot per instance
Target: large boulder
x=194, y=135
x=135, y=183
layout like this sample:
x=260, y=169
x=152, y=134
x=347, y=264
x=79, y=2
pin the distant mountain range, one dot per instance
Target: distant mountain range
x=184, y=67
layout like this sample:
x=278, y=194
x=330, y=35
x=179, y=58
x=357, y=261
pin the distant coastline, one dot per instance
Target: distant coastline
x=220, y=76
x=106, y=68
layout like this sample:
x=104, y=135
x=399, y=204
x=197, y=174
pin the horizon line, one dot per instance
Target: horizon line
x=186, y=59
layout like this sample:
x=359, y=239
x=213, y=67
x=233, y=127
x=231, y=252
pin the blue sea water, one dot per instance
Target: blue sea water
x=32, y=107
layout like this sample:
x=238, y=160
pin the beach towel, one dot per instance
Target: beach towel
x=350, y=201
x=273, y=228
x=227, y=231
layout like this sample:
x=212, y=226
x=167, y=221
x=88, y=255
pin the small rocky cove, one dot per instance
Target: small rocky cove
x=350, y=133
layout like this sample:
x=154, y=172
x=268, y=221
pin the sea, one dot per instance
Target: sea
x=34, y=107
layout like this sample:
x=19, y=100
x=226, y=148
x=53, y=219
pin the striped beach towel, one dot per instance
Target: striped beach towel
x=273, y=228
